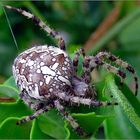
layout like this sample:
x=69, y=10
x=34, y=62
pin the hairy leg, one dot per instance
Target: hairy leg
x=35, y=115
x=91, y=63
x=119, y=62
x=94, y=62
x=86, y=67
x=81, y=100
x=114, y=70
x=40, y=23
x=76, y=58
x=28, y=101
x=70, y=119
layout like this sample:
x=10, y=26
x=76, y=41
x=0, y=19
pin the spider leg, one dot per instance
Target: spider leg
x=91, y=63
x=86, y=101
x=86, y=67
x=94, y=62
x=33, y=116
x=113, y=58
x=114, y=70
x=70, y=119
x=81, y=51
x=41, y=24
x=27, y=101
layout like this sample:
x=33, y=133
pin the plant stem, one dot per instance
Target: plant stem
x=127, y=107
x=118, y=27
x=103, y=28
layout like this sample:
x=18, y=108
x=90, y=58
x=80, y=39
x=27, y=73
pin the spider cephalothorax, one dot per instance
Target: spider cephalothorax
x=47, y=77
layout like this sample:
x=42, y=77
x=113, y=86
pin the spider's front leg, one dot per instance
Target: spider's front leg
x=70, y=119
x=41, y=24
x=27, y=100
x=76, y=100
x=40, y=108
x=93, y=62
x=108, y=56
x=35, y=115
x=85, y=101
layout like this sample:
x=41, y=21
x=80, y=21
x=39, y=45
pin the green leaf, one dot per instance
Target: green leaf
x=9, y=129
x=36, y=133
x=18, y=109
x=90, y=122
x=9, y=89
x=128, y=103
x=52, y=124
x=119, y=126
x=11, y=82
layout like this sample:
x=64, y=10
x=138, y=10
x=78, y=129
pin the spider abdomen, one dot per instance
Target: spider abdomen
x=42, y=70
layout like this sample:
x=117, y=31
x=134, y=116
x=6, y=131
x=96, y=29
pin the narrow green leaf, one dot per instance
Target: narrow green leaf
x=119, y=126
x=130, y=110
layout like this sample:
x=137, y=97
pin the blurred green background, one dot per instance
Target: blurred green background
x=76, y=21
x=112, y=26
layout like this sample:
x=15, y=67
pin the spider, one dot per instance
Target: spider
x=47, y=77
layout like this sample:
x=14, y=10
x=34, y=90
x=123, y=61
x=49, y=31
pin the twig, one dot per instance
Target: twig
x=104, y=26
x=115, y=30
x=7, y=99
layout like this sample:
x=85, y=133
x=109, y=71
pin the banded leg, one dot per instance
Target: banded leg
x=76, y=58
x=86, y=67
x=86, y=101
x=94, y=62
x=33, y=116
x=119, y=62
x=27, y=101
x=114, y=70
x=41, y=24
x=70, y=119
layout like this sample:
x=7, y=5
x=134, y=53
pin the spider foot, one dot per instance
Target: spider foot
x=82, y=132
x=24, y=120
x=109, y=103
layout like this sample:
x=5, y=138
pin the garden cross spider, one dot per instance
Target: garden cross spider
x=47, y=77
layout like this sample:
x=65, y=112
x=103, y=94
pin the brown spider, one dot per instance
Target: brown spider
x=48, y=79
